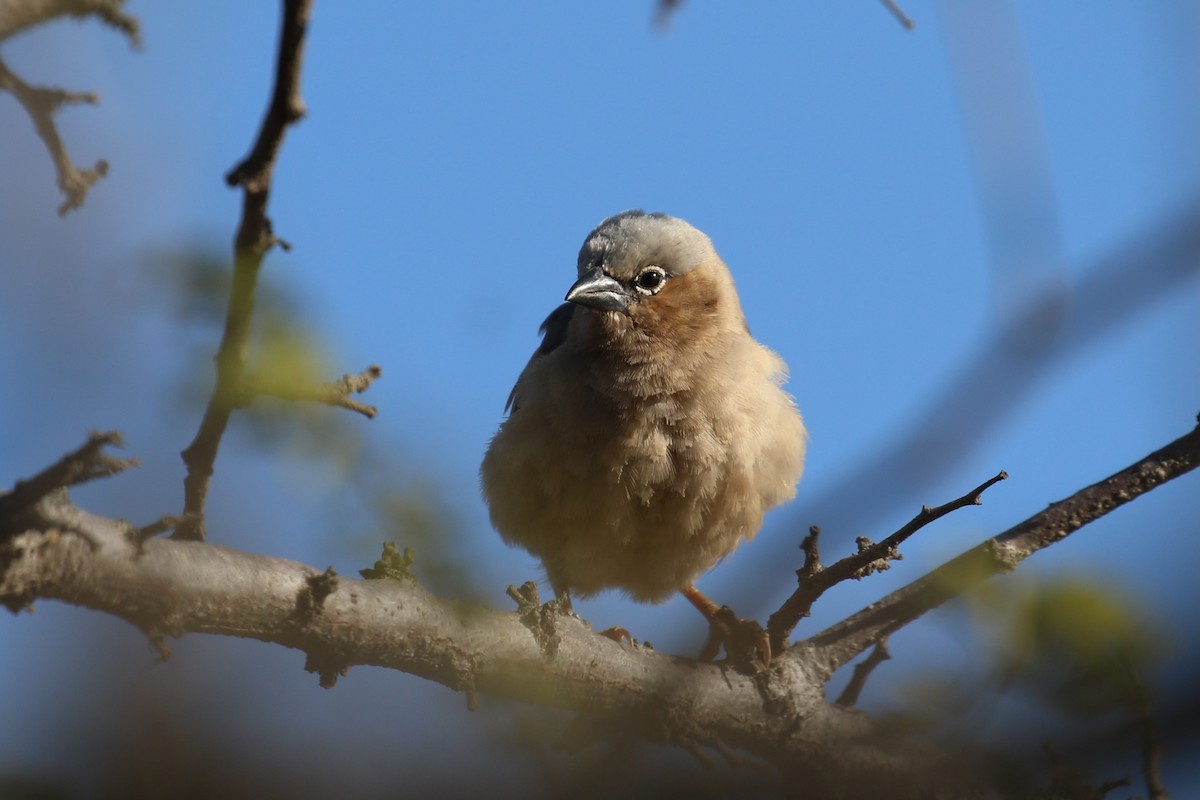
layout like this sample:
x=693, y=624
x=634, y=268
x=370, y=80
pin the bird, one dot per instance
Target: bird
x=649, y=432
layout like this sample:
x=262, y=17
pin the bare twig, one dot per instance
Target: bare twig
x=815, y=580
x=254, y=240
x=40, y=104
x=337, y=393
x=899, y=14
x=862, y=671
x=86, y=463
x=17, y=17
x=845, y=640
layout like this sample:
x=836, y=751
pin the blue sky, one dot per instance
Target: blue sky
x=884, y=199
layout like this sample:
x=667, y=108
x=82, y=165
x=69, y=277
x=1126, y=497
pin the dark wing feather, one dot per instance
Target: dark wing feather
x=554, y=333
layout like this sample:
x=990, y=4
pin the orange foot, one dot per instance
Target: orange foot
x=618, y=635
x=744, y=640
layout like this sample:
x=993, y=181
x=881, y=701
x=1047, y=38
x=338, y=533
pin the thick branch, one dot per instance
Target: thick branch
x=845, y=640
x=254, y=239
x=169, y=588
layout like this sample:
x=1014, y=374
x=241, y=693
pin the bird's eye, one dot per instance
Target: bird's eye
x=650, y=280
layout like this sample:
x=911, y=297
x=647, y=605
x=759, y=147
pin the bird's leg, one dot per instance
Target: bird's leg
x=744, y=639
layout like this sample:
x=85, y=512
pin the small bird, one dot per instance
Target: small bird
x=649, y=432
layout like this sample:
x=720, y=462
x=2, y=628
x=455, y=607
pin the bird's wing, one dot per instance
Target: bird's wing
x=554, y=333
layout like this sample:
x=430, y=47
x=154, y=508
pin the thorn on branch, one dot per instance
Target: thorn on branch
x=391, y=565
x=311, y=597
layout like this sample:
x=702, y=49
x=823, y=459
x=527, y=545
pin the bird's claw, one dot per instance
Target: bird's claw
x=744, y=640
x=618, y=635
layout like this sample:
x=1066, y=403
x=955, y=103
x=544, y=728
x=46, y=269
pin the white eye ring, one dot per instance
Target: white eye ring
x=650, y=280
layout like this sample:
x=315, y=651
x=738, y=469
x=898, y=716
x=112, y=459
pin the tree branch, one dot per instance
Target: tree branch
x=87, y=463
x=815, y=580
x=338, y=393
x=19, y=15
x=169, y=588
x=41, y=102
x=254, y=240
x=845, y=640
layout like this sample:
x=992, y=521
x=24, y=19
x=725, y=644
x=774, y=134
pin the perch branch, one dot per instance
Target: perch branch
x=254, y=240
x=168, y=588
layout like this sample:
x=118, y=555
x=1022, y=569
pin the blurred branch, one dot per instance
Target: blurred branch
x=899, y=14
x=337, y=393
x=19, y=15
x=87, y=463
x=41, y=103
x=665, y=10
x=845, y=640
x=254, y=240
x=990, y=386
x=862, y=671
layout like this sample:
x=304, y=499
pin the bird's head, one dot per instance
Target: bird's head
x=656, y=275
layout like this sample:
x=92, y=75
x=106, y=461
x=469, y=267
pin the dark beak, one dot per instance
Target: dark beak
x=596, y=290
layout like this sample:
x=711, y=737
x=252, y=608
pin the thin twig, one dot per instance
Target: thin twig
x=18, y=17
x=86, y=463
x=899, y=14
x=871, y=557
x=254, y=239
x=40, y=104
x=337, y=393
x=1001, y=554
x=862, y=671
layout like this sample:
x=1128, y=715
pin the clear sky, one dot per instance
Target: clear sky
x=886, y=200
